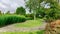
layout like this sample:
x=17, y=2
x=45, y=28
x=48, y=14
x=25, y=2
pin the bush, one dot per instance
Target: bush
x=21, y=11
x=29, y=16
x=10, y=19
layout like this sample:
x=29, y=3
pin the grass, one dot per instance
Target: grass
x=30, y=23
x=34, y=32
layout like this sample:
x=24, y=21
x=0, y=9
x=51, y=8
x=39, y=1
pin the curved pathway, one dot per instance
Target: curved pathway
x=12, y=28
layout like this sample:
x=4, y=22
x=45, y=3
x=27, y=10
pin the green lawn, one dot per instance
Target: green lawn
x=30, y=23
x=34, y=32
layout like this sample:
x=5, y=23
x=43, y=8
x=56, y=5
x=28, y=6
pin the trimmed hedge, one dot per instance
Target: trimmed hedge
x=10, y=19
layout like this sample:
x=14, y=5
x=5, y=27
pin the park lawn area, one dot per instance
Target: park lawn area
x=30, y=23
x=34, y=32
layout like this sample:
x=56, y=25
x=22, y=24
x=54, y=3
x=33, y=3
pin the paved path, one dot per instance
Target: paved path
x=11, y=28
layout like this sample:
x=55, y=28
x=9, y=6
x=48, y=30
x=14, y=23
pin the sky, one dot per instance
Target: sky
x=10, y=5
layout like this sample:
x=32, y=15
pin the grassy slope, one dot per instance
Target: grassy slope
x=29, y=23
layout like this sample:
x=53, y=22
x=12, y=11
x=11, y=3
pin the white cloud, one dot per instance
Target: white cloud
x=5, y=1
x=3, y=6
x=11, y=5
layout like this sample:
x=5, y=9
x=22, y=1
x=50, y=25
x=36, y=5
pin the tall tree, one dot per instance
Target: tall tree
x=21, y=11
x=54, y=11
x=8, y=12
x=0, y=13
x=33, y=5
x=28, y=5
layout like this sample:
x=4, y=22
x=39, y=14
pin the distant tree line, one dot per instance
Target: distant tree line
x=19, y=11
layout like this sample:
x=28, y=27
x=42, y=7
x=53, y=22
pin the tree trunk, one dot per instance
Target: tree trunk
x=35, y=15
x=30, y=10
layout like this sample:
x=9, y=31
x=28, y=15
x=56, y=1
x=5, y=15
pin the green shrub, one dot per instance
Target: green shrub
x=40, y=32
x=29, y=16
x=10, y=19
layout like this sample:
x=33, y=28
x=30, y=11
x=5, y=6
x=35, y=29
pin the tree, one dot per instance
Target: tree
x=21, y=11
x=8, y=12
x=0, y=13
x=28, y=5
x=33, y=5
x=54, y=11
x=40, y=12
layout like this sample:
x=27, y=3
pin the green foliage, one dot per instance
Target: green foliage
x=10, y=19
x=40, y=32
x=0, y=13
x=21, y=11
x=40, y=13
x=50, y=14
x=33, y=5
x=29, y=16
x=8, y=12
x=53, y=12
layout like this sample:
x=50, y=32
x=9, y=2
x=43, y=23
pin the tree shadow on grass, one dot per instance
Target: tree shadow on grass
x=40, y=32
x=30, y=33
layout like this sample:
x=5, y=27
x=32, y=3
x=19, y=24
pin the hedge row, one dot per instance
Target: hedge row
x=10, y=19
